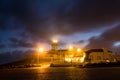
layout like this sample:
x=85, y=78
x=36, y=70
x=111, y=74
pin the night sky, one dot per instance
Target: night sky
x=25, y=24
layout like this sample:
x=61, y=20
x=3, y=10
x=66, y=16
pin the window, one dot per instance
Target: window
x=91, y=57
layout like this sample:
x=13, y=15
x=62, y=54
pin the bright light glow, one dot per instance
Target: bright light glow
x=71, y=55
x=78, y=50
x=83, y=58
x=75, y=59
x=68, y=59
x=41, y=50
x=45, y=65
x=107, y=60
x=70, y=48
x=55, y=41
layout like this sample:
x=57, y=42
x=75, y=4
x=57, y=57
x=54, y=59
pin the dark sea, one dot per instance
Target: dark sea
x=61, y=73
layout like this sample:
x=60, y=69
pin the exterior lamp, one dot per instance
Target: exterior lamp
x=70, y=48
x=78, y=50
x=55, y=41
x=41, y=50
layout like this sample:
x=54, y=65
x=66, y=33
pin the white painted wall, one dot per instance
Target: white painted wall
x=98, y=57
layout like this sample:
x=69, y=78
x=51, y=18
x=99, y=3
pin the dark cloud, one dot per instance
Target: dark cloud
x=20, y=43
x=75, y=15
x=2, y=46
x=41, y=19
x=62, y=43
x=107, y=39
x=79, y=42
x=95, y=12
x=82, y=16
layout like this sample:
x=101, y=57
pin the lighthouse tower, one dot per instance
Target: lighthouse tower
x=55, y=45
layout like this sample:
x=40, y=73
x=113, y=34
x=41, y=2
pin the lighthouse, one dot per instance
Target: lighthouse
x=55, y=45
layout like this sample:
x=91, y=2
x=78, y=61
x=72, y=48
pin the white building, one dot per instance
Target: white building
x=99, y=56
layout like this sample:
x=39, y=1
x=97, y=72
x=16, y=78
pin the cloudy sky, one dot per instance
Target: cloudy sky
x=90, y=24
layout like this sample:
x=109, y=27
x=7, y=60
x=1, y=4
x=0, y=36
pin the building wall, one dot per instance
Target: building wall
x=98, y=57
x=117, y=57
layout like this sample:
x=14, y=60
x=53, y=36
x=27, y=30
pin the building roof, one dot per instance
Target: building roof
x=95, y=50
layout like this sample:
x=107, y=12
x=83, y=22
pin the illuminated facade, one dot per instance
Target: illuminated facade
x=78, y=55
x=68, y=56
